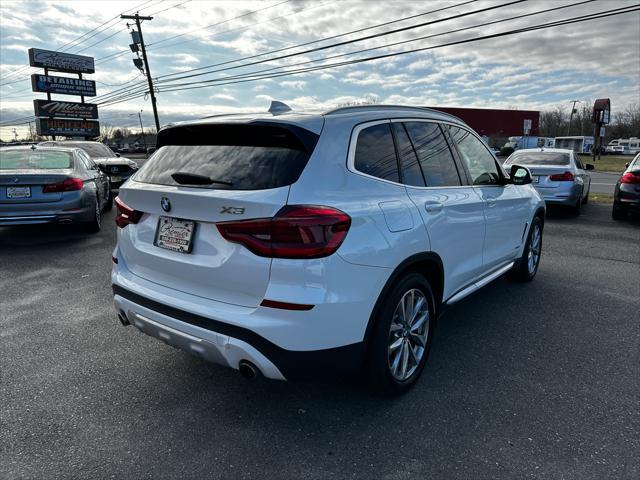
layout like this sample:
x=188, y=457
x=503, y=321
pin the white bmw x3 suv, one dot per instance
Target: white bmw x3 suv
x=301, y=245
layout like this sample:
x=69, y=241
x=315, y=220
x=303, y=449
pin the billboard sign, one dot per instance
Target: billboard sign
x=55, y=108
x=69, y=128
x=63, y=85
x=62, y=62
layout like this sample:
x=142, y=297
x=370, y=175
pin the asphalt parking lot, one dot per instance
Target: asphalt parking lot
x=524, y=381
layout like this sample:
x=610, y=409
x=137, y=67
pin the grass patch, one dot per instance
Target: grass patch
x=600, y=197
x=608, y=163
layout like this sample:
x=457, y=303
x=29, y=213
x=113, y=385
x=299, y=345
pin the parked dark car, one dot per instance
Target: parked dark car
x=51, y=185
x=118, y=168
x=626, y=196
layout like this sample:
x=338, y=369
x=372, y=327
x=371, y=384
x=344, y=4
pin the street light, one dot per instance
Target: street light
x=573, y=108
x=144, y=140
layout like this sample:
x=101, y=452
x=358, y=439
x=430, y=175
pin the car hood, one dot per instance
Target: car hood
x=115, y=161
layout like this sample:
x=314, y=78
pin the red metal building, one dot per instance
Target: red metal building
x=496, y=123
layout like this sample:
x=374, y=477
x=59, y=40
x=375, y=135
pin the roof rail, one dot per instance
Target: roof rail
x=356, y=108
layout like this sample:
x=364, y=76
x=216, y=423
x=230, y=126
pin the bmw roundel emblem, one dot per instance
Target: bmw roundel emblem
x=165, y=204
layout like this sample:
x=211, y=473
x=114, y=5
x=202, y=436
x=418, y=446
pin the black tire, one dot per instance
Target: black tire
x=108, y=206
x=95, y=224
x=618, y=212
x=379, y=366
x=521, y=271
x=577, y=208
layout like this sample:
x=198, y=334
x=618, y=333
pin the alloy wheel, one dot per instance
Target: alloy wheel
x=534, y=249
x=408, y=334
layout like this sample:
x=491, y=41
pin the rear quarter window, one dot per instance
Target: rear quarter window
x=233, y=157
x=375, y=153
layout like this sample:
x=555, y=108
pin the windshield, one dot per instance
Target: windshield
x=539, y=158
x=93, y=149
x=34, y=160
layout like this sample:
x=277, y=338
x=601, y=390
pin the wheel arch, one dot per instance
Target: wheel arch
x=428, y=264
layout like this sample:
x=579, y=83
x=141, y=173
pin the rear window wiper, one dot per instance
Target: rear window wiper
x=186, y=178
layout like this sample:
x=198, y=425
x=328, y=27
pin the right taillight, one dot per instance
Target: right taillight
x=126, y=215
x=562, y=177
x=630, y=178
x=296, y=231
x=68, y=185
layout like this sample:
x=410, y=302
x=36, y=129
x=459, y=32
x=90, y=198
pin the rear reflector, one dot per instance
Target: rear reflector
x=630, y=178
x=296, y=231
x=126, y=215
x=285, y=305
x=68, y=185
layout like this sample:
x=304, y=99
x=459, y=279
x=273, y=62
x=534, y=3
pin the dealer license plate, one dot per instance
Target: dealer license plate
x=18, y=192
x=116, y=178
x=175, y=234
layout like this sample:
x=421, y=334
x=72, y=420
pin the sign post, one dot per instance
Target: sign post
x=61, y=117
x=600, y=118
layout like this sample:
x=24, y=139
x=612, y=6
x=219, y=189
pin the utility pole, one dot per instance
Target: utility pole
x=139, y=20
x=144, y=140
x=573, y=108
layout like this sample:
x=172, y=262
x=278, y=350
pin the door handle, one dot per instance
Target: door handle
x=491, y=202
x=433, y=207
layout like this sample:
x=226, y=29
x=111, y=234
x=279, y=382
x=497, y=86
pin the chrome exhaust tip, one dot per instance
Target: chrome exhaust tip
x=123, y=319
x=248, y=370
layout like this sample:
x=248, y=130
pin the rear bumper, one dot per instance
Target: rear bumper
x=228, y=345
x=326, y=341
x=22, y=218
x=76, y=206
x=561, y=195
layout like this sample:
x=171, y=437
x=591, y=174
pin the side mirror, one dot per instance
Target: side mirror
x=117, y=154
x=589, y=166
x=520, y=175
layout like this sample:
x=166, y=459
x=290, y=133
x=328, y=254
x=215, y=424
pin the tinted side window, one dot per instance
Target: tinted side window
x=411, y=171
x=375, y=153
x=436, y=160
x=481, y=164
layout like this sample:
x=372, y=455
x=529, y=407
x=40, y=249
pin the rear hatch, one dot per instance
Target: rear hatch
x=199, y=176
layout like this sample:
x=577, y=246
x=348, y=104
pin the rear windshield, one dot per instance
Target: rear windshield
x=93, y=149
x=34, y=160
x=232, y=157
x=540, y=158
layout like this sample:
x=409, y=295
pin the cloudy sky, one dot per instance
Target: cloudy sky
x=530, y=70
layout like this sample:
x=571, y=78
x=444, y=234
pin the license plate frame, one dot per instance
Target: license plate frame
x=168, y=225
x=11, y=192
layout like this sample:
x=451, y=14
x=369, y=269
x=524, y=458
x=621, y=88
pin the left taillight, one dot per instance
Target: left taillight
x=68, y=185
x=296, y=231
x=126, y=215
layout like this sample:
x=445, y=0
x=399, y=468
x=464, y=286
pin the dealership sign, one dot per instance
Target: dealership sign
x=54, y=108
x=62, y=62
x=70, y=128
x=64, y=85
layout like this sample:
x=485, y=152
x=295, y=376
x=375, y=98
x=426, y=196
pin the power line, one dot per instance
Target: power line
x=391, y=44
x=216, y=24
x=569, y=21
x=180, y=76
